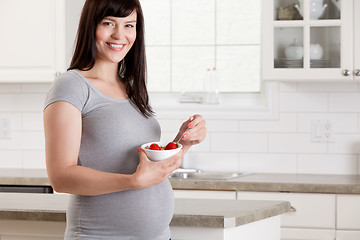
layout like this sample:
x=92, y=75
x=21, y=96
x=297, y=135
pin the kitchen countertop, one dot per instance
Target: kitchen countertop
x=24, y=177
x=306, y=183
x=188, y=212
x=309, y=183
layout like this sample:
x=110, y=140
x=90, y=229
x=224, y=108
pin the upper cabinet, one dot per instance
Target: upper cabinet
x=32, y=42
x=310, y=40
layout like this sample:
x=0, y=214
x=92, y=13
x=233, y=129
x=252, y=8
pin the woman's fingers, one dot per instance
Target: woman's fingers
x=196, y=131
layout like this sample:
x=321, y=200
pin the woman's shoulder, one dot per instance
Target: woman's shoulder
x=68, y=86
x=71, y=77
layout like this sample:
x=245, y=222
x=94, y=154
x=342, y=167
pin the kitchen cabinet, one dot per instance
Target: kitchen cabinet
x=313, y=215
x=32, y=42
x=348, y=217
x=31, y=230
x=310, y=210
x=268, y=229
x=202, y=194
x=347, y=235
x=307, y=234
x=305, y=47
x=348, y=212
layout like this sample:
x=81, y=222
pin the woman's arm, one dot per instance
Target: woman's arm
x=62, y=126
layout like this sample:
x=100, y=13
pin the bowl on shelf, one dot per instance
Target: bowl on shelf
x=316, y=51
x=294, y=51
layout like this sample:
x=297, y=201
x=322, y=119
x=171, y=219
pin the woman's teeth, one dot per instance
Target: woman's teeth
x=116, y=45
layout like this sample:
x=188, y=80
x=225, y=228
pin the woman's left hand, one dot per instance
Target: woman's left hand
x=192, y=131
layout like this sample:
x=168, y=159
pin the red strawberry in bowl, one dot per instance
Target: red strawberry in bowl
x=171, y=145
x=155, y=146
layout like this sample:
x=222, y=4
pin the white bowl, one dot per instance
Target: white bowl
x=294, y=52
x=158, y=155
x=316, y=51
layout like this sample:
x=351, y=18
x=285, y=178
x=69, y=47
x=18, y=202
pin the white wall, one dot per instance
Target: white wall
x=282, y=145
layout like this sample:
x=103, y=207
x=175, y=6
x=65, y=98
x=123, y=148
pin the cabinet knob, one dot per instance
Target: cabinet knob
x=357, y=72
x=57, y=74
x=346, y=72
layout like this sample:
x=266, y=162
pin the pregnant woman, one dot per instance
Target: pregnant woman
x=96, y=116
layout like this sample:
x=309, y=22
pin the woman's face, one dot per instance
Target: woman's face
x=114, y=37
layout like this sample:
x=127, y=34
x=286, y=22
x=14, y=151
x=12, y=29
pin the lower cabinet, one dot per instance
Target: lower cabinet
x=267, y=229
x=348, y=217
x=31, y=230
x=348, y=212
x=347, y=235
x=310, y=210
x=204, y=194
x=314, y=217
x=307, y=234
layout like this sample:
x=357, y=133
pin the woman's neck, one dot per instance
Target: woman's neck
x=105, y=71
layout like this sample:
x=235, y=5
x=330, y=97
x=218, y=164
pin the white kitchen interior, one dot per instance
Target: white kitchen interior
x=308, y=122
x=283, y=144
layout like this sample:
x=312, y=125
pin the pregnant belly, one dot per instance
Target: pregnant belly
x=144, y=213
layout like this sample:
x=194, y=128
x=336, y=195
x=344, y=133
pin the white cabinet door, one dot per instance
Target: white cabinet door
x=307, y=234
x=31, y=230
x=199, y=194
x=32, y=42
x=347, y=235
x=332, y=33
x=311, y=210
x=348, y=212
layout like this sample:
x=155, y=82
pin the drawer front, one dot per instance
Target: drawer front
x=307, y=234
x=205, y=194
x=347, y=235
x=311, y=210
x=348, y=212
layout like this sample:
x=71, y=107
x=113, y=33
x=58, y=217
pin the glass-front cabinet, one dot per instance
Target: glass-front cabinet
x=310, y=40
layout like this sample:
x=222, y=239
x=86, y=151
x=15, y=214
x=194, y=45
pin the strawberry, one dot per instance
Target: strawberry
x=154, y=146
x=171, y=145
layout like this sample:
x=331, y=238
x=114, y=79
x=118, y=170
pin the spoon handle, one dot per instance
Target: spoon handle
x=178, y=141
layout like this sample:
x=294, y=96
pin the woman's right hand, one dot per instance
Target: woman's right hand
x=149, y=173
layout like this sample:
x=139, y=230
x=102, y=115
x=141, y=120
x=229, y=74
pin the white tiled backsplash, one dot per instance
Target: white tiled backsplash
x=282, y=146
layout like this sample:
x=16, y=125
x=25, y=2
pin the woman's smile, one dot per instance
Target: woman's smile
x=115, y=47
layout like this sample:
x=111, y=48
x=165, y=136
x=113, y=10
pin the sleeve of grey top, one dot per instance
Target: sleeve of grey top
x=67, y=87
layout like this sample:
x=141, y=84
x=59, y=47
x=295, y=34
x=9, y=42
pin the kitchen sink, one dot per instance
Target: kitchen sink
x=204, y=175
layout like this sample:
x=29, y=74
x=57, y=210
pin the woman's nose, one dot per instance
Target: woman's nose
x=118, y=33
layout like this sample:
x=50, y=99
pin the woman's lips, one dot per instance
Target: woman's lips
x=115, y=46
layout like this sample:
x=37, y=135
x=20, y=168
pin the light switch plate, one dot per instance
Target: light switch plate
x=322, y=131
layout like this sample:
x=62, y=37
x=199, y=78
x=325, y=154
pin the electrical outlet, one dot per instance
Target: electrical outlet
x=322, y=131
x=5, y=130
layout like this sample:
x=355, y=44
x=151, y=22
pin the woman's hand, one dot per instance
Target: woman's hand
x=192, y=131
x=149, y=173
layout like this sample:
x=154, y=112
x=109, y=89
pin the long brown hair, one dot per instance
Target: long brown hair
x=132, y=68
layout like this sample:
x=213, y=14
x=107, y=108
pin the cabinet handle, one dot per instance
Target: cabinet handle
x=346, y=72
x=56, y=74
x=357, y=72
x=292, y=209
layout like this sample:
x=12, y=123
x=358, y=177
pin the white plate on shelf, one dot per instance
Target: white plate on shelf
x=290, y=63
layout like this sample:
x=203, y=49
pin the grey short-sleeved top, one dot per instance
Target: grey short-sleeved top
x=112, y=130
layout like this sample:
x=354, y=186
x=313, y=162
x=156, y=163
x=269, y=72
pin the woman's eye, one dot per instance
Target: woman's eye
x=129, y=25
x=109, y=24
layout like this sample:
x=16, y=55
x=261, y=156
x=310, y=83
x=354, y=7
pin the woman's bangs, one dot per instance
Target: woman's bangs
x=120, y=8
